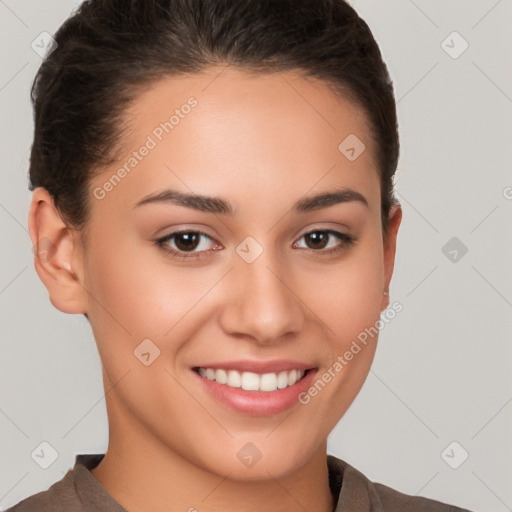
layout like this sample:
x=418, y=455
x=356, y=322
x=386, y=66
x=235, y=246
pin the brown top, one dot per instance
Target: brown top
x=79, y=491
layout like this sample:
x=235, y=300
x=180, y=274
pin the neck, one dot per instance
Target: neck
x=143, y=474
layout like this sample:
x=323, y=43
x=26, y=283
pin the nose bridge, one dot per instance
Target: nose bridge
x=260, y=303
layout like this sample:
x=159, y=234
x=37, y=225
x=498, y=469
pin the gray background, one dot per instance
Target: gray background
x=443, y=365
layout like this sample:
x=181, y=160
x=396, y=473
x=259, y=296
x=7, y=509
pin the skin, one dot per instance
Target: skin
x=261, y=143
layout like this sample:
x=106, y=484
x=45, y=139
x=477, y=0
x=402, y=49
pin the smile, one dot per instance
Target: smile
x=250, y=381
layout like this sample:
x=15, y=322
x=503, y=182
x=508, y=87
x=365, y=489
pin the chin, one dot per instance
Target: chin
x=258, y=459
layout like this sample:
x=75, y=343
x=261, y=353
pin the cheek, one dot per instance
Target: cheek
x=130, y=285
x=348, y=294
x=349, y=305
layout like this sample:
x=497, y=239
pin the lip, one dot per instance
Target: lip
x=257, y=403
x=247, y=365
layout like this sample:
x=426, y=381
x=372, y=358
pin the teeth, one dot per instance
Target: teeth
x=292, y=377
x=250, y=381
x=282, y=380
x=253, y=381
x=221, y=376
x=234, y=379
x=268, y=382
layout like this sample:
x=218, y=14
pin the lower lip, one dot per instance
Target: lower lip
x=258, y=403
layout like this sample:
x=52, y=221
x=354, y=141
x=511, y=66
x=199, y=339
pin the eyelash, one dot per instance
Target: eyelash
x=347, y=241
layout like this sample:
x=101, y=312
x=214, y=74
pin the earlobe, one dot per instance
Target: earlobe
x=394, y=220
x=57, y=255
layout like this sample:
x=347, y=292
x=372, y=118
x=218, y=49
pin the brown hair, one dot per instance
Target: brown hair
x=108, y=49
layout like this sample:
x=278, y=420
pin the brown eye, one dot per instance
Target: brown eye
x=187, y=241
x=318, y=239
x=323, y=241
x=183, y=244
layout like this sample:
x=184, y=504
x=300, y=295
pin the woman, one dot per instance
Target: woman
x=213, y=189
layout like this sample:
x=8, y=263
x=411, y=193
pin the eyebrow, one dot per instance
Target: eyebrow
x=218, y=205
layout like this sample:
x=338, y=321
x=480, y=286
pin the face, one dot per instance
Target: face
x=257, y=286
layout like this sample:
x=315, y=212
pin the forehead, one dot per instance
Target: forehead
x=237, y=95
x=229, y=129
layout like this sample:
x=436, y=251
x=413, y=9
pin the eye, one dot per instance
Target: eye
x=185, y=241
x=193, y=244
x=321, y=241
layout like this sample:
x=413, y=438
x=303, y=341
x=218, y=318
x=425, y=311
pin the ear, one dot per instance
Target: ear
x=394, y=219
x=58, y=258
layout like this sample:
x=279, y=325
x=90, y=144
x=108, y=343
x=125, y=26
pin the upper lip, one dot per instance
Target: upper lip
x=247, y=365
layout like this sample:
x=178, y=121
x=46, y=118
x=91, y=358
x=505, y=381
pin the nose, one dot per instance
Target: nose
x=261, y=302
